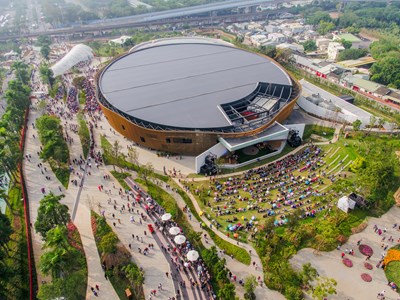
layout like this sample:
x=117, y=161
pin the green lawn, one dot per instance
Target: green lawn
x=393, y=272
x=324, y=132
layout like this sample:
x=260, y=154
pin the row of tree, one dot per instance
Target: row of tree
x=63, y=258
x=11, y=277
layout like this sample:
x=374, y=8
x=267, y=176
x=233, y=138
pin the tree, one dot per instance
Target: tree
x=385, y=70
x=57, y=238
x=346, y=44
x=317, y=17
x=43, y=40
x=115, y=153
x=4, y=196
x=135, y=276
x=250, y=284
x=133, y=156
x=372, y=122
x=47, y=75
x=146, y=171
x=54, y=262
x=356, y=125
x=351, y=53
x=381, y=122
x=309, y=45
x=325, y=27
x=50, y=214
x=227, y=292
x=308, y=274
x=325, y=287
x=45, y=51
x=5, y=230
x=108, y=243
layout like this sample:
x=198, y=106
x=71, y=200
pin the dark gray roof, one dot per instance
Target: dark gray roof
x=183, y=84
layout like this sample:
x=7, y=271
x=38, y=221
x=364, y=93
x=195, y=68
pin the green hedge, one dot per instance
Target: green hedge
x=84, y=135
x=55, y=149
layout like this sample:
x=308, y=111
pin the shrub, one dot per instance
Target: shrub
x=366, y=250
x=366, y=277
x=347, y=262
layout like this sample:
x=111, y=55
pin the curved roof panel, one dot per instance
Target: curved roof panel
x=183, y=82
x=77, y=54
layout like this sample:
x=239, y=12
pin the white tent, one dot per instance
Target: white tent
x=119, y=40
x=77, y=54
x=345, y=204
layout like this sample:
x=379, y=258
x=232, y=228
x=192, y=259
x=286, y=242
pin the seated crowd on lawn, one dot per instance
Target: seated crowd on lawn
x=272, y=190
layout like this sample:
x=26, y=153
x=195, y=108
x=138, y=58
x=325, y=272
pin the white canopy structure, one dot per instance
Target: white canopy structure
x=77, y=54
x=345, y=204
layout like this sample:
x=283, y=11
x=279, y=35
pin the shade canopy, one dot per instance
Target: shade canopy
x=180, y=239
x=166, y=217
x=192, y=255
x=174, y=230
x=79, y=53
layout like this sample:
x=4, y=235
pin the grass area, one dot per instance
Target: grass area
x=16, y=263
x=392, y=273
x=121, y=162
x=377, y=113
x=238, y=253
x=82, y=97
x=324, y=132
x=84, y=135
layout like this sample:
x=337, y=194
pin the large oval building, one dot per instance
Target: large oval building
x=180, y=95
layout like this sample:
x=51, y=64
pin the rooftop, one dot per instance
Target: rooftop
x=183, y=82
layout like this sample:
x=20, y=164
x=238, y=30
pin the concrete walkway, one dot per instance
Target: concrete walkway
x=350, y=285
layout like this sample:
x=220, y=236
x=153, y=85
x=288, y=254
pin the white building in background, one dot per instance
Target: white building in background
x=79, y=53
x=258, y=39
x=322, y=44
x=334, y=49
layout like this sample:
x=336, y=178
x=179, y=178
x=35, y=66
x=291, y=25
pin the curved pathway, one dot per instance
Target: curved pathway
x=241, y=270
x=350, y=285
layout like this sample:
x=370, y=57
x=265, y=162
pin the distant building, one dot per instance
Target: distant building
x=294, y=47
x=334, y=49
x=322, y=44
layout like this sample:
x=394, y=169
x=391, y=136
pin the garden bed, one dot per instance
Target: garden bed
x=366, y=250
x=347, y=262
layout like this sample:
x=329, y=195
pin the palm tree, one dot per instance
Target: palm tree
x=54, y=262
x=50, y=214
x=57, y=238
x=4, y=196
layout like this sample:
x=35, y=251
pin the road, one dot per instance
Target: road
x=147, y=18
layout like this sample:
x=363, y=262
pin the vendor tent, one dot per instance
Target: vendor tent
x=79, y=53
x=345, y=204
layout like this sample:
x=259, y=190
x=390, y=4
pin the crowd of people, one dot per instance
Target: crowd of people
x=272, y=190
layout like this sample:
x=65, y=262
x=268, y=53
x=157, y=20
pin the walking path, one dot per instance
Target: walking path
x=350, y=285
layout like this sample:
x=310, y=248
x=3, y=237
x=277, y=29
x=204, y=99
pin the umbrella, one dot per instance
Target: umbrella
x=192, y=255
x=174, y=230
x=180, y=239
x=166, y=217
x=186, y=264
x=201, y=213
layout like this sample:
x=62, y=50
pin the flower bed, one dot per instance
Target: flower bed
x=366, y=250
x=392, y=255
x=74, y=238
x=366, y=277
x=347, y=262
x=368, y=266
